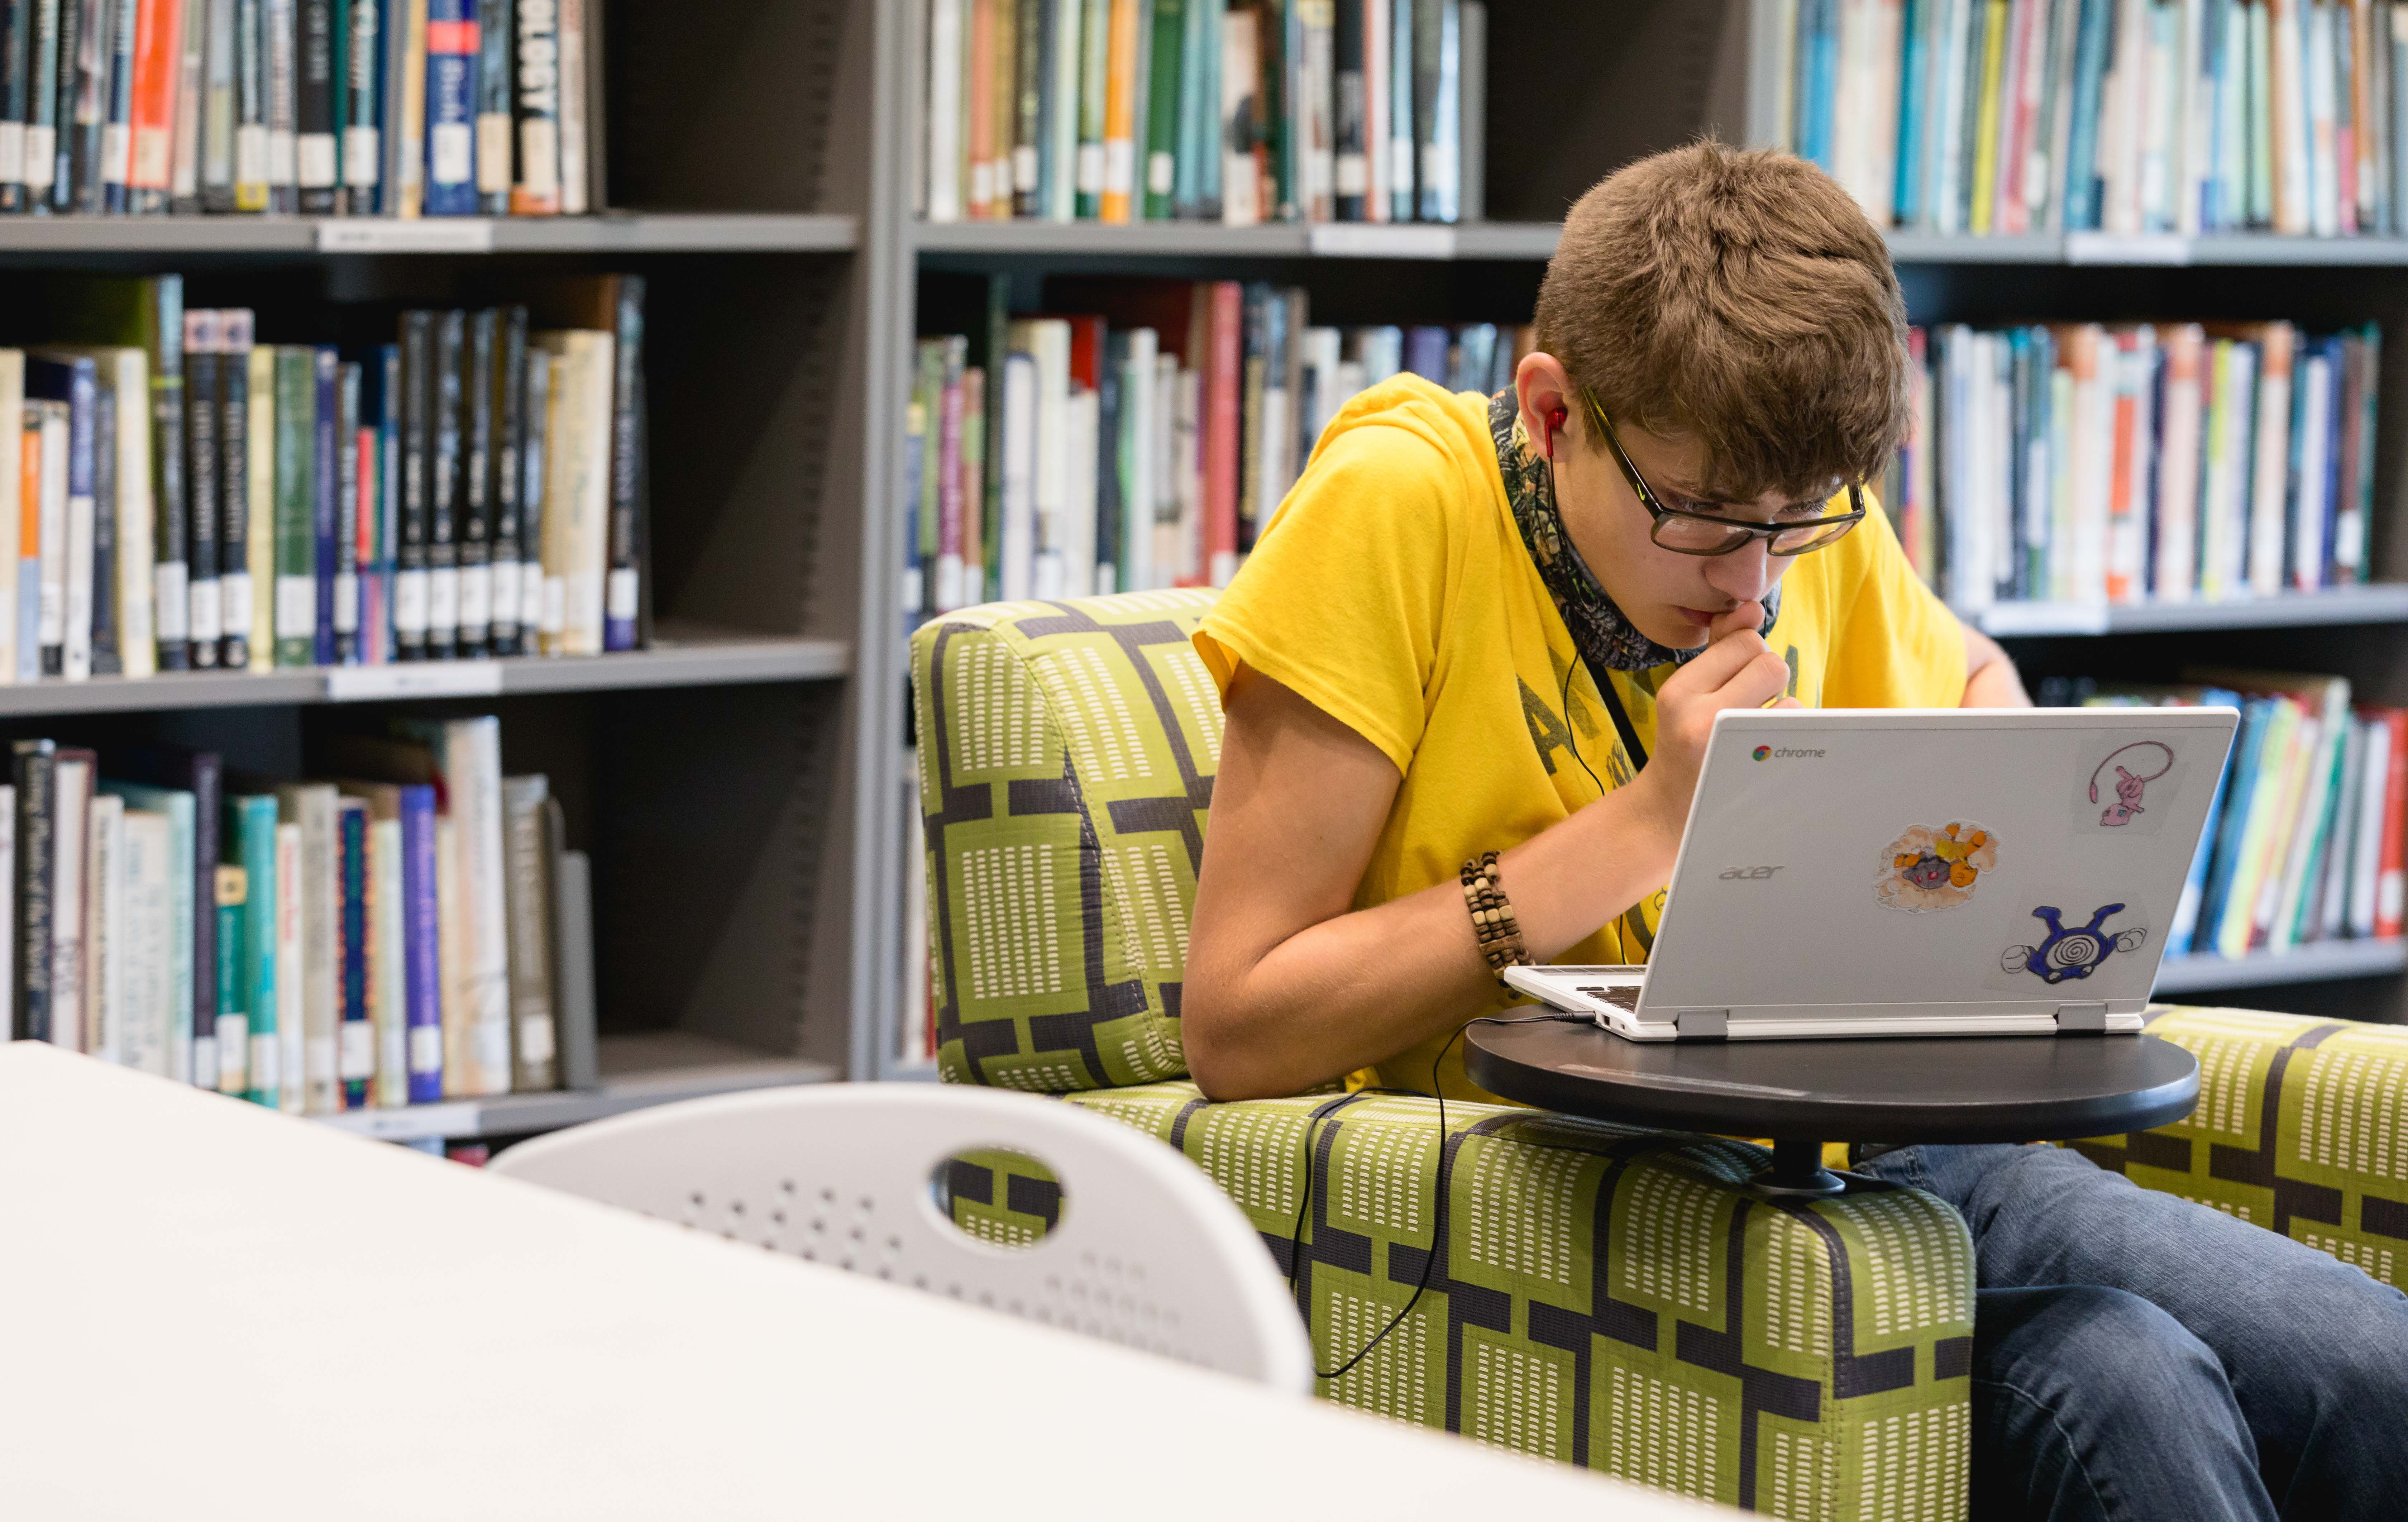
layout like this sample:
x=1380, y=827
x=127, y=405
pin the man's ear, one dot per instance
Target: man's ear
x=1546, y=395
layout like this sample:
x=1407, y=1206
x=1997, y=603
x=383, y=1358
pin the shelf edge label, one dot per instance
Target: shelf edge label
x=391, y=235
x=1382, y=240
x=434, y=679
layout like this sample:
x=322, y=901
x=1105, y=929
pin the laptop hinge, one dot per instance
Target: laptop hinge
x=2082, y=1019
x=1715, y=1025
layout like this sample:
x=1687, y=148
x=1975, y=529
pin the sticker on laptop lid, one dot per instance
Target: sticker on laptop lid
x=2072, y=952
x=1930, y=868
x=2122, y=781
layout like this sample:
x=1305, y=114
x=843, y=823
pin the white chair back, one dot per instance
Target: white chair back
x=1147, y=1251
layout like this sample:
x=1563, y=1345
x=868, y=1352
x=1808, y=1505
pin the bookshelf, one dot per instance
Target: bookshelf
x=715, y=778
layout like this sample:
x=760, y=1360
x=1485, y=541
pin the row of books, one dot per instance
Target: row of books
x=2303, y=839
x=1139, y=443
x=316, y=946
x=182, y=496
x=329, y=107
x=2126, y=116
x=2076, y=462
x=1238, y=111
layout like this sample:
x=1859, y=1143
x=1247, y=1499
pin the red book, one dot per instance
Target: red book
x=2391, y=886
x=158, y=56
x=1219, y=321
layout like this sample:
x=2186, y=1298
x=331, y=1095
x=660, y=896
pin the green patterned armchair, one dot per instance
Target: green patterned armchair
x=1601, y=1294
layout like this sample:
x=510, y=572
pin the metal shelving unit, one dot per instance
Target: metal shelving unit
x=611, y=233
x=2375, y=603
x=2313, y=963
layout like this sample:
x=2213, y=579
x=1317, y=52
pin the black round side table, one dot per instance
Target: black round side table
x=1804, y=1093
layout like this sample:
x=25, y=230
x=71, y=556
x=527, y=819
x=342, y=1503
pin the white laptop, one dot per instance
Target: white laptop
x=1918, y=872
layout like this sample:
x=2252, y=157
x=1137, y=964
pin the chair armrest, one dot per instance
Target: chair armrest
x=2299, y=1129
x=1605, y=1296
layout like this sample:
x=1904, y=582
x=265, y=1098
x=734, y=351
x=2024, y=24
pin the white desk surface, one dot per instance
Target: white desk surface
x=210, y=1311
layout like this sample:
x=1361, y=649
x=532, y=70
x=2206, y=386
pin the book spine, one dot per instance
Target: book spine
x=421, y=944
x=315, y=159
x=234, y=486
x=217, y=104
x=534, y=488
x=291, y=986
x=509, y=444
x=105, y=1035
x=36, y=777
x=47, y=543
x=575, y=132
x=83, y=71
x=42, y=105
x=443, y=484
x=204, y=363
x=251, y=154
x=628, y=506
x=16, y=88
x=343, y=444
x=388, y=514
x=410, y=591
x=158, y=59
x=70, y=847
x=261, y=439
x=280, y=70
x=227, y=905
x=296, y=592
x=325, y=472
x=251, y=825
x=171, y=601
x=534, y=1064
x=356, y=1043
x=408, y=162
x=17, y=499
x=493, y=103
x=388, y=983
x=102, y=598
x=472, y=773
x=31, y=471
x=184, y=145
x=83, y=459
x=535, y=188
x=451, y=49
x=476, y=482
x=360, y=124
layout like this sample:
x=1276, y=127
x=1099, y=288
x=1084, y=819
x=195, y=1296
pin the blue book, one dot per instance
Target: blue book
x=2090, y=56
x=421, y=944
x=2215, y=80
x=1426, y=352
x=2336, y=354
x=452, y=49
x=2240, y=779
x=2194, y=888
x=1823, y=82
x=322, y=516
x=357, y=1051
x=66, y=651
x=1914, y=105
x=250, y=841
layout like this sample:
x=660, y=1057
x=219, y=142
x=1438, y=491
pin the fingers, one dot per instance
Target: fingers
x=1748, y=616
x=1722, y=660
x=1754, y=684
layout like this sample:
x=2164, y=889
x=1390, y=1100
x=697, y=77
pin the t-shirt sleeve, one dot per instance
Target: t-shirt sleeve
x=1341, y=597
x=1895, y=644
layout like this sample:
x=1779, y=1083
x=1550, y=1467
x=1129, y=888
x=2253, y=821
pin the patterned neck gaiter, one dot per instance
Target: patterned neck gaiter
x=1606, y=639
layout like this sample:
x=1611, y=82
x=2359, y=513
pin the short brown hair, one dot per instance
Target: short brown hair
x=1742, y=299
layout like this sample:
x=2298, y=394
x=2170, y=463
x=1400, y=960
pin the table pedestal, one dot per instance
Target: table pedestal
x=1798, y=1170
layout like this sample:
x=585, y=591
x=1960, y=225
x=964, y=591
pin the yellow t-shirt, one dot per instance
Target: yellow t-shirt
x=1392, y=589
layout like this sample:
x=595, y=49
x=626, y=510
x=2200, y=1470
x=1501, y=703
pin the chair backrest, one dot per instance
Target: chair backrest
x=1146, y=1251
x=1066, y=758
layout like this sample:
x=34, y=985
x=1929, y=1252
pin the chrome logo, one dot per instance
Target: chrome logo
x=1763, y=751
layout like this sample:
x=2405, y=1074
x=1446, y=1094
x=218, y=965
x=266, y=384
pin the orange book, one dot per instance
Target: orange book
x=1120, y=112
x=978, y=104
x=2126, y=528
x=1219, y=321
x=2391, y=885
x=158, y=54
x=28, y=570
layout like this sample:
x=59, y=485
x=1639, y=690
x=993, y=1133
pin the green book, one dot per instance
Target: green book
x=1158, y=156
x=234, y=988
x=296, y=534
x=251, y=839
x=1095, y=60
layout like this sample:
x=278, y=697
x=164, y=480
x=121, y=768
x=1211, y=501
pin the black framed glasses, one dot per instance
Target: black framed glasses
x=1688, y=533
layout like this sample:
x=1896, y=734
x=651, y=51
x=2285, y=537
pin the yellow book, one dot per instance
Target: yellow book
x=1120, y=112
x=1986, y=118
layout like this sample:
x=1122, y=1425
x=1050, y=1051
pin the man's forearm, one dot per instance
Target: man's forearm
x=1991, y=680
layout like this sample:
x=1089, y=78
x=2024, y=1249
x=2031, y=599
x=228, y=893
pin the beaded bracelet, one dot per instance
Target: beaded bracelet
x=1492, y=916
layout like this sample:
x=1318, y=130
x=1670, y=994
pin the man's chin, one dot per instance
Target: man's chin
x=1675, y=630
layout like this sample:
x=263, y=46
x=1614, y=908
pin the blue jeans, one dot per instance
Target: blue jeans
x=2136, y=1355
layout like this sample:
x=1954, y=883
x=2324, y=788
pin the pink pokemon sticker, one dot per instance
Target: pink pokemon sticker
x=2129, y=784
x=1927, y=868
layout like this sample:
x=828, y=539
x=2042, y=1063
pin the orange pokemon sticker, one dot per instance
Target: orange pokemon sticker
x=1927, y=868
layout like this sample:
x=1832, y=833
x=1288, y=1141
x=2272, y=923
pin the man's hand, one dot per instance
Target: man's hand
x=1736, y=670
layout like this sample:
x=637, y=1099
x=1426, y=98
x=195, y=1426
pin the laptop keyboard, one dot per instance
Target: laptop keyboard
x=1622, y=997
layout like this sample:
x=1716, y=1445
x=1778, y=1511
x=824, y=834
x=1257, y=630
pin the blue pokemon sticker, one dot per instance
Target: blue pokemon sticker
x=2074, y=953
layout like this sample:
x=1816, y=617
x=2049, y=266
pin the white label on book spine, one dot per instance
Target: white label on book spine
x=359, y=1049
x=413, y=678
x=1091, y=169
x=540, y=157
x=410, y=601
x=2391, y=897
x=489, y=1047
x=267, y=1065
x=363, y=156
x=250, y=155
x=535, y=1038
x=982, y=183
x=443, y=599
x=452, y=151
x=233, y=594
x=1120, y=165
x=531, y=595
x=1161, y=174
x=296, y=607
x=493, y=153
x=208, y=614
x=116, y=153
x=233, y=1038
x=282, y=155
x=41, y=156
x=1354, y=174
x=174, y=608
x=506, y=592
x=205, y=1062
x=12, y=152
x=555, y=604
x=622, y=594
x=1024, y=168
x=425, y=1048
x=347, y=602
x=476, y=596
x=316, y=155
x=385, y=235
x=321, y=1059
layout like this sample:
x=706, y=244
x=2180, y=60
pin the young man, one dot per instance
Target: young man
x=1506, y=624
